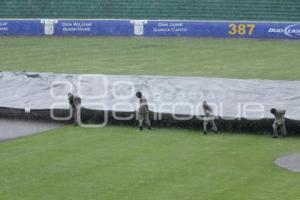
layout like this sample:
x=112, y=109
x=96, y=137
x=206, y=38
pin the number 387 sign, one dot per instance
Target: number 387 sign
x=241, y=29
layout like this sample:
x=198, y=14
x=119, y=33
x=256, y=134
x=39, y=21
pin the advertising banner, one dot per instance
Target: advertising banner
x=149, y=28
x=21, y=28
x=93, y=28
x=260, y=30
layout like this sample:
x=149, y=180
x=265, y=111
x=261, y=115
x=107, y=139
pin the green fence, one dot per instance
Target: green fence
x=268, y=10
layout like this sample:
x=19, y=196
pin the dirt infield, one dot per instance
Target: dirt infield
x=290, y=162
x=10, y=128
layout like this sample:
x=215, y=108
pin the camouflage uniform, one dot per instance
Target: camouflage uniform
x=75, y=102
x=208, y=118
x=143, y=112
x=279, y=123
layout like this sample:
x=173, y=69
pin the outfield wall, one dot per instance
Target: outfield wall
x=150, y=28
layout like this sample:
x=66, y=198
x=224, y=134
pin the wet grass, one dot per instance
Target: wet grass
x=122, y=163
x=237, y=58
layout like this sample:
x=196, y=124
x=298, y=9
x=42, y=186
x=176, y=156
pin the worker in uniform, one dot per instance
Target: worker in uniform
x=143, y=112
x=279, y=122
x=209, y=118
x=74, y=102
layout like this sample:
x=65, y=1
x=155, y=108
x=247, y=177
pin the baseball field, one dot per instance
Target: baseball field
x=122, y=163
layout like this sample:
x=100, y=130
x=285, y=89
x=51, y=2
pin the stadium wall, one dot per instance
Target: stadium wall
x=150, y=28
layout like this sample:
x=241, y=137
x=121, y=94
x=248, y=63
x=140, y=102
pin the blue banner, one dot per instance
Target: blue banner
x=150, y=28
x=93, y=28
x=259, y=30
x=21, y=28
x=53, y=27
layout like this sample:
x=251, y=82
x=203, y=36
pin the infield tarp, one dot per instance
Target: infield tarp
x=230, y=98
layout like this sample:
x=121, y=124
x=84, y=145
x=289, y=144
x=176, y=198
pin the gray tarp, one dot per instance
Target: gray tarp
x=179, y=95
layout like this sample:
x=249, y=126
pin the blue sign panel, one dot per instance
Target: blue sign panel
x=150, y=28
x=93, y=28
x=21, y=28
x=223, y=29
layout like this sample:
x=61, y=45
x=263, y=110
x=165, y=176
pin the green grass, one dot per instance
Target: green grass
x=116, y=163
x=122, y=163
x=157, y=56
